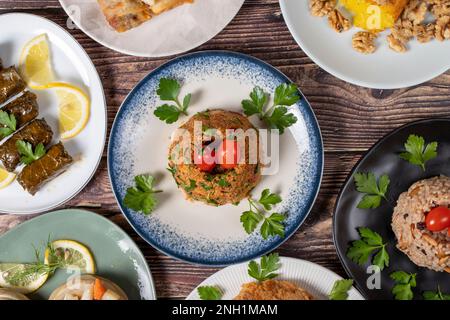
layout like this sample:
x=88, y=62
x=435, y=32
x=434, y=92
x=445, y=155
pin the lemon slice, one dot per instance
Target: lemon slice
x=71, y=255
x=74, y=108
x=23, y=278
x=35, y=62
x=6, y=178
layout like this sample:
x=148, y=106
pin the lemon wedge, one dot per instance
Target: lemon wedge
x=6, y=178
x=74, y=108
x=23, y=278
x=35, y=62
x=71, y=255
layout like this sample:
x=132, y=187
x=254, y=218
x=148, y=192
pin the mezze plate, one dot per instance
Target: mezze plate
x=116, y=256
x=70, y=64
x=193, y=231
x=383, y=158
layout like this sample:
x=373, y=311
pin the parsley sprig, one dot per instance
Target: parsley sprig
x=266, y=269
x=141, y=198
x=340, y=289
x=436, y=295
x=276, y=116
x=27, y=155
x=209, y=293
x=374, y=191
x=361, y=250
x=272, y=222
x=404, y=282
x=417, y=153
x=169, y=90
x=8, y=124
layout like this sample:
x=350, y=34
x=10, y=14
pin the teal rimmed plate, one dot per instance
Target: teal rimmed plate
x=116, y=255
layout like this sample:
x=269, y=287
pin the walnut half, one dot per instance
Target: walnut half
x=424, y=32
x=442, y=31
x=364, y=42
x=396, y=44
x=321, y=8
x=338, y=22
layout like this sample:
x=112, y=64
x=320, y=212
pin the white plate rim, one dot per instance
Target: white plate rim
x=193, y=294
x=366, y=84
x=96, y=78
x=142, y=54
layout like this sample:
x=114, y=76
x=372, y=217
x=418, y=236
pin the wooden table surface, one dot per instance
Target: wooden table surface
x=351, y=118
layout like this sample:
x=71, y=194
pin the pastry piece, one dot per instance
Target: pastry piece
x=159, y=6
x=123, y=15
x=41, y=171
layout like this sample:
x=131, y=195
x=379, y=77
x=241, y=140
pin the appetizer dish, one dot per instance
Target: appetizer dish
x=46, y=126
x=212, y=193
x=88, y=287
x=399, y=230
x=174, y=26
x=406, y=19
x=216, y=184
x=381, y=44
x=275, y=278
x=123, y=15
x=67, y=269
x=421, y=223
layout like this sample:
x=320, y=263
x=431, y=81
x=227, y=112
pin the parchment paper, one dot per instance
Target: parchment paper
x=173, y=32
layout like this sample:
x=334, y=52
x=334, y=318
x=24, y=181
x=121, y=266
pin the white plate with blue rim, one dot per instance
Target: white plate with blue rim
x=192, y=231
x=315, y=279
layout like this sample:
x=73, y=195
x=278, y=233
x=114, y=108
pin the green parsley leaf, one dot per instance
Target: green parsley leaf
x=7, y=124
x=266, y=269
x=340, y=289
x=27, y=155
x=371, y=242
x=250, y=220
x=269, y=199
x=277, y=116
x=402, y=290
x=209, y=293
x=169, y=90
x=273, y=226
x=223, y=183
x=436, y=295
x=141, y=198
x=375, y=191
x=417, y=153
x=256, y=104
x=281, y=119
x=286, y=95
x=192, y=185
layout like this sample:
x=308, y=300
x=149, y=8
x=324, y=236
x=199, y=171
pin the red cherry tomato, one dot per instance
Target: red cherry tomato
x=206, y=160
x=438, y=219
x=228, y=154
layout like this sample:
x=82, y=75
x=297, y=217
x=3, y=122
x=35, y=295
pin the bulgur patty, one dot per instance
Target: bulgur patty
x=221, y=186
x=272, y=290
x=425, y=248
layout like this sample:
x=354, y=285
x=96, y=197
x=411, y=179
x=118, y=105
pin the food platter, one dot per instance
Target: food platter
x=384, y=69
x=173, y=32
x=18, y=30
x=116, y=256
x=383, y=158
x=193, y=231
x=315, y=279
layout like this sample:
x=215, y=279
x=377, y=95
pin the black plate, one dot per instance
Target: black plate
x=380, y=159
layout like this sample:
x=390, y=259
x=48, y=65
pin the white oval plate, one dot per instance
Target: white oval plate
x=315, y=279
x=71, y=64
x=172, y=32
x=385, y=69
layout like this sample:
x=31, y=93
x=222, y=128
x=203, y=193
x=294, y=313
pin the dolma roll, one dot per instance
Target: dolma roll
x=39, y=172
x=37, y=131
x=25, y=108
x=11, y=83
